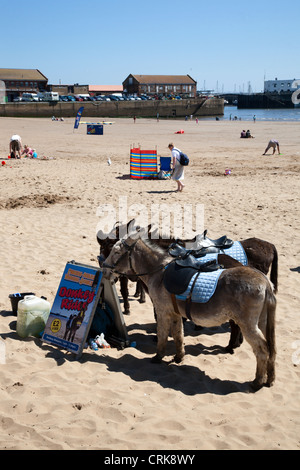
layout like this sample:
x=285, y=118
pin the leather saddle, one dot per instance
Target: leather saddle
x=188, y=262
x=182, y=253
x=178, y=273
x=203, y=241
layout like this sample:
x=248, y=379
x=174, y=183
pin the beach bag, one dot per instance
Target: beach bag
x=184, y=159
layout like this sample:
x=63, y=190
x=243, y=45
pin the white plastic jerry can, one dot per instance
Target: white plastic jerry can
x=33, y=313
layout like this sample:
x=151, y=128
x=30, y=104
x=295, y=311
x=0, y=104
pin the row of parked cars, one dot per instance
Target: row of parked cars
x=51, y=96
x=102, y=98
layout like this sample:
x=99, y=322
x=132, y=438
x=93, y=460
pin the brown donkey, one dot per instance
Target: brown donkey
x=243, y=294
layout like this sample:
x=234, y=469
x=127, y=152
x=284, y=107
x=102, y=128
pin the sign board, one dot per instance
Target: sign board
x=96, y=129
x=82, y=292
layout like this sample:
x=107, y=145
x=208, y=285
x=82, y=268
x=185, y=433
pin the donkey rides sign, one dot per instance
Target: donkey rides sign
x=73, y=307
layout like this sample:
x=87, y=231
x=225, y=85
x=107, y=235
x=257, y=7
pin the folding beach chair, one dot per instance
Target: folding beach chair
x=165, y=168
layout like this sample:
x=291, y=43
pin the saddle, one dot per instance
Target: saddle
x=187, y=263
x=222, y=243
x=177, y=275
x=180, y=252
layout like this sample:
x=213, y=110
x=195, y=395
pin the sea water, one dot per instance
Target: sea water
x=282, y=114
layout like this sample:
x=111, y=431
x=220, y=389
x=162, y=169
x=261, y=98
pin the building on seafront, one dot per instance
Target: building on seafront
x=19, y=81
x=280, y=86
x=164, y=85
x=277, y=94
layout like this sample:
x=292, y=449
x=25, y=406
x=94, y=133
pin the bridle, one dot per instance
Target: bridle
x=129, y=250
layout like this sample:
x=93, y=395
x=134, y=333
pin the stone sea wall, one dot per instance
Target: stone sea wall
x=112, y=109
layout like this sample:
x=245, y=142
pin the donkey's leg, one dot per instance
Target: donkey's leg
x=142, y=299
x=177, y=333
x=259, y=345
x=163, y=328
x=236, y=337
x=137, y=289
x=140, y=292
x=267, y=328
x=124, y=293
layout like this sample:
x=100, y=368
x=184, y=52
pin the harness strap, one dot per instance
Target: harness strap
x=188, y=300
x=175, y=304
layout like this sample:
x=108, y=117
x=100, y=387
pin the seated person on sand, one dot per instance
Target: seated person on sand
x=248, y=135
x=243, y=134
x=27, y=152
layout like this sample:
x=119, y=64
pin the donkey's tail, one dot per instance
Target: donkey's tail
x=270, y=333
x=274, y=270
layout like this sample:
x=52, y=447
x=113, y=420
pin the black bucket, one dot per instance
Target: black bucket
x=14, y=298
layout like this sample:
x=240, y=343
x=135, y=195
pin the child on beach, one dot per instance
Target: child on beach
x=272, y=144
x=27, y=152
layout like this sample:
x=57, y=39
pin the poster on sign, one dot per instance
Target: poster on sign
x=73, y=308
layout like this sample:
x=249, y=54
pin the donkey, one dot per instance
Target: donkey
x=242, y=294
x=261, y=255
x=106, y=243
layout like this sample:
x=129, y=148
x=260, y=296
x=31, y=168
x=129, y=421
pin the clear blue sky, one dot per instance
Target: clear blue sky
x=224, y=44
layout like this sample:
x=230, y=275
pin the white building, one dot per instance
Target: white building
x=277, y=86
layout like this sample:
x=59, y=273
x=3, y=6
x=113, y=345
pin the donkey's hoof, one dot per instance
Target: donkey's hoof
x=156, y=359
x=126, y=312
x=229, y=349
x=178, y=359
x=255, y=385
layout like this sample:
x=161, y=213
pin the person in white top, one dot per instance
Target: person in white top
x=178, y=169
x=15, y=146
x=272, y=144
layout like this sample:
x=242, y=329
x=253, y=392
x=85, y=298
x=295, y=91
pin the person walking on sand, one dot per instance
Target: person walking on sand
x=178, y=169
x=272, y=144
x=15, y=146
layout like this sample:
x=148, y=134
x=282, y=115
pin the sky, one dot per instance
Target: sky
x=226, y=46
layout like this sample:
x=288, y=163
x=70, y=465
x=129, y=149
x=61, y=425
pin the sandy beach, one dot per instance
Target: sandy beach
x=117, y=399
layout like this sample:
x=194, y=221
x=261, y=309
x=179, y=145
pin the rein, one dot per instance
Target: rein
x=129, y=249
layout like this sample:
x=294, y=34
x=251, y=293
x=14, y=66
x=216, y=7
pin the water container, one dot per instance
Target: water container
x=33, y=313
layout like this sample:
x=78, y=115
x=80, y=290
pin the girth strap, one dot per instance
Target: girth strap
x=189, y=298
x=175, y=306
x=187, y=301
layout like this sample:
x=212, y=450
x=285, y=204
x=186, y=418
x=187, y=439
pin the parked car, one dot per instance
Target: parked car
x=17, y=99
x=71, y=98
x=63, y=98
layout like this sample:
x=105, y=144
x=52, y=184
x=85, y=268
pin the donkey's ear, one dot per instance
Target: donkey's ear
x=100, y=236
x=139, y=232
x=130, y=224
x=133, y=229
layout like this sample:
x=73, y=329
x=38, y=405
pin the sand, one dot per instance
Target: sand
x=117, y=399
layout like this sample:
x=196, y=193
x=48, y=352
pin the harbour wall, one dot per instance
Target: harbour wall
x=265, y=101
x=112, y=109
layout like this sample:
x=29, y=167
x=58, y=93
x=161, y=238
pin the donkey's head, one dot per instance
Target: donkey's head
x=119, y=260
